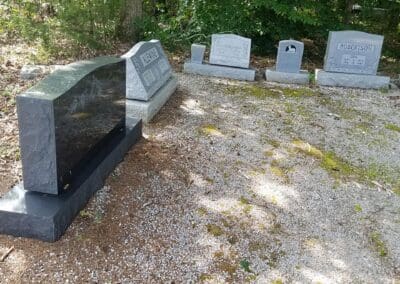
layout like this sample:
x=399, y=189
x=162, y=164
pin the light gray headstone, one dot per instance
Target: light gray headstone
x=147, y=70
x=197, y=53
x=230, y=50
x=353, y=52
x=290, y=53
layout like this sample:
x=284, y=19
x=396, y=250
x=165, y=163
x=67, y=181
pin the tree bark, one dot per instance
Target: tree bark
x=130, y=11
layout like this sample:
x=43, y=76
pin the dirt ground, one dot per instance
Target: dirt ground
x=234, y=182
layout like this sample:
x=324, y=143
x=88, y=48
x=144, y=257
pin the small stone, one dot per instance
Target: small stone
x=29, y=72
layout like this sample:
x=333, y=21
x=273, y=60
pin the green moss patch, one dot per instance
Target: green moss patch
x=340, y=168
x=392, y=127
x=214, y=230
x=262, y=92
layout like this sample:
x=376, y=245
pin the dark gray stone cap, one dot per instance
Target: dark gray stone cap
x=60, y=81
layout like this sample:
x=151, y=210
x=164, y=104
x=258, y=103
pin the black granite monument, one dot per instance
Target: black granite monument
x=73, y=132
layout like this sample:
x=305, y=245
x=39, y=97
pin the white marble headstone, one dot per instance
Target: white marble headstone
x=147, y=70
x=290, y=54
x=353, y=52
x=230, y=50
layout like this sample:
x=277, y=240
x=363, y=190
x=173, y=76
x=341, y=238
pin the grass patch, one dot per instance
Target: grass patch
x=339, y=168
x=214, y=230
x=245, y=203
x=245, y=265
x=392, y=127
x=358, y=208
x=378, y=244
x=202, y=211
x=262, y=93
x=210, y=130
x=204, y=277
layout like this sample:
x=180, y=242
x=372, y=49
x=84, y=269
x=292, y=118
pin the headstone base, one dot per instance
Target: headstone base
x=324, y=78
x=302, y=78
x=46, y=217
x=220, y=71
x=147, y=110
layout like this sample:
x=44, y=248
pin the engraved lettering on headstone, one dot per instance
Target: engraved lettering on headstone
x=353, y=52
x=149, y=56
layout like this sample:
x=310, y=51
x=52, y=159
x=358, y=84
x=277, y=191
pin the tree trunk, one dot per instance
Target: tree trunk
x=130, y=11
x=347, y=12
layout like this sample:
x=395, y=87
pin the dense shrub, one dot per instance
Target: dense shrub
x=181, y=22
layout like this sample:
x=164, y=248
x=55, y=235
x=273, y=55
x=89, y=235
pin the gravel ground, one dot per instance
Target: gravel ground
x=241, y=182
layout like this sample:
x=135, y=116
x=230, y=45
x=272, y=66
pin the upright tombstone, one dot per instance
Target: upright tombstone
x=229, y=58
x=230, y=50
x=197, y=51
x=352, y=60
x=73, y=132
x=149, y=79
x=288, y=64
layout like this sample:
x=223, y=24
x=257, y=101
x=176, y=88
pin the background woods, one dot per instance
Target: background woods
x=100, y=24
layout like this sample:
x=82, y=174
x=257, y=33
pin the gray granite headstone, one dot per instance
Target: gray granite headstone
x=230, y=50
x=147, y=70
x=197, y=53
x=353, y=52
x=290, y=53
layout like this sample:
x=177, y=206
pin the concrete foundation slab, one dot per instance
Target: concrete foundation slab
x=324, y=78
x=46, y=217
x=147, y=110
x=302, y=78
x=220, y=71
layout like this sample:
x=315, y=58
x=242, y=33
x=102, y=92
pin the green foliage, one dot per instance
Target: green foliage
x=181, y=22
x=61, y=24
x=98, y=24
x=245, y=265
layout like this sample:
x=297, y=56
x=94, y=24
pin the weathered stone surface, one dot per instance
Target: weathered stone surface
x=301, y=78
x=197, y=53
x=46, y=217
x=230, y=50
x=353, y=52
x=351, y=80
x=147, y=110
x=290, y=54
x=64, y=117
x=220, y=71
x=147, y=69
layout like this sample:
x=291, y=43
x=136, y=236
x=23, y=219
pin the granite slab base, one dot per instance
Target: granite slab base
x=333, y=79
x=46, y=217
x=301, y=78
x=146, y=110
x=220, y=71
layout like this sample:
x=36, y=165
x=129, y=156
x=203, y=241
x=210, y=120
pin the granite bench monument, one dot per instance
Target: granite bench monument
x=73, y=131
x=149, y=79
x=352, y=60
x=288, y=64
x=229, y=58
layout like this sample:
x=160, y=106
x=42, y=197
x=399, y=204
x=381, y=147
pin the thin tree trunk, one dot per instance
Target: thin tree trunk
x=130, y=11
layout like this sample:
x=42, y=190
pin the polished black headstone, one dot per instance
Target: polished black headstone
x=65, y=120
x=46, y=217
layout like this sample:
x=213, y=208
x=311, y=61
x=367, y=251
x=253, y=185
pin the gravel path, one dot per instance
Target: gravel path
x=241, y=182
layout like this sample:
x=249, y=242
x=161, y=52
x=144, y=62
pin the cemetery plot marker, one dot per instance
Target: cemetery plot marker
x=149, y=79
x=288, y=64
x=352, y=60
x=229, y=58
x=73, y=132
